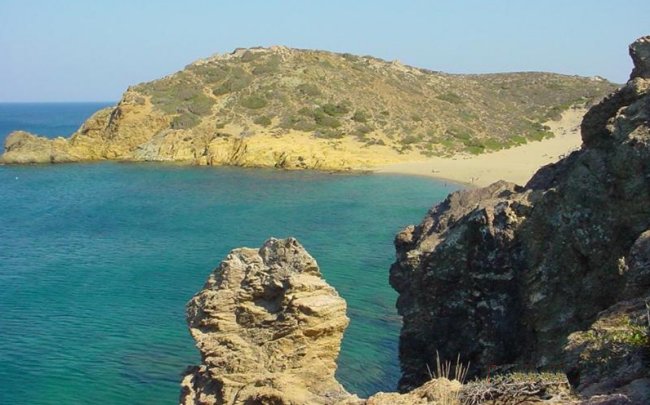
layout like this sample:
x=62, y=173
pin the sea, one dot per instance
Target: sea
x=97, y=262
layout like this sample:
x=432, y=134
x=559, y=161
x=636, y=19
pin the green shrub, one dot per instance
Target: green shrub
x=475, y=149
x=309, y=89
x=299, y=123
x=450, y=98
x=211, y=72
x=253, y=102
x=539, y=135
x=335, y=109
x=325, y=120
x=238, y=79
x=492, y=144
x=263, y=120
x=269, y=67
x=360, y=116
x=200, y=104
x=249, y=56
x=517, y=140
x=461, y=134
x=185, y=120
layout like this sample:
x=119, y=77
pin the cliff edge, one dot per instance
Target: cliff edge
x=550, y=276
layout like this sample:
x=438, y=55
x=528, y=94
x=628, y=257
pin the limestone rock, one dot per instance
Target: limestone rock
x=503, y=275
x=269, y=330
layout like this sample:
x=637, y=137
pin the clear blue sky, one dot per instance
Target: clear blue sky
x=83, y=50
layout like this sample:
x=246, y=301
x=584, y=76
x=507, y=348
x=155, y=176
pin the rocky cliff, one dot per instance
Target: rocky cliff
x=290, y=108
x=549, y=276
x=269, y=330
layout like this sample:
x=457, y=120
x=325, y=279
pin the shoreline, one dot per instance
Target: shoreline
x=516, y=164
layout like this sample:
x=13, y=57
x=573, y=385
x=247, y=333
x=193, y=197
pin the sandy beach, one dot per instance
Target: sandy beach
x=516, y=164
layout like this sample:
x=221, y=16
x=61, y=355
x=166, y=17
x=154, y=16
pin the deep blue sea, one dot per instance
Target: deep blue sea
x=98, y=260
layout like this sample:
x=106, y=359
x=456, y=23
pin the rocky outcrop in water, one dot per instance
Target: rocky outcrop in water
x=269, y=330
x=535, y=277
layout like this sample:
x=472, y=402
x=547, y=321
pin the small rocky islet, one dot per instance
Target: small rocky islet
x=541, y=290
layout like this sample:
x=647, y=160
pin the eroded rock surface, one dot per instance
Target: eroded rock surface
x=503, y=275
x=269, y=330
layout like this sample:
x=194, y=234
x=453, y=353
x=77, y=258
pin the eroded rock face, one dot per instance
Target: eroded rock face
x=269, y=330
x=503, y=275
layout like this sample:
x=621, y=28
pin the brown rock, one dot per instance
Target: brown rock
x=269, y=330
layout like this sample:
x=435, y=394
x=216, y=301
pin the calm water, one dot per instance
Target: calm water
x=48, y=119
x=98, y=260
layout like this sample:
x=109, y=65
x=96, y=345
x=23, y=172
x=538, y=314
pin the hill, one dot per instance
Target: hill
x=293, y=108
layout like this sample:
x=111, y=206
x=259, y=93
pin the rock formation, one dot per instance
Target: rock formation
x=553, y=275
x=297, y=109
x=269, y=330
x=550, y=276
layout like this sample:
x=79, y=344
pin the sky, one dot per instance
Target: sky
x=82, y=50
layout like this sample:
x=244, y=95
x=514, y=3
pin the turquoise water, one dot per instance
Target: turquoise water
x=98, y=260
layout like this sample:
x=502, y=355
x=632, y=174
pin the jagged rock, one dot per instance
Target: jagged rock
x=640, y=53
x=269, y=330
x=502, y=276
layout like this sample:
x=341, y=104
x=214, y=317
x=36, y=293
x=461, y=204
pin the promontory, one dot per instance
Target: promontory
x=291, y=108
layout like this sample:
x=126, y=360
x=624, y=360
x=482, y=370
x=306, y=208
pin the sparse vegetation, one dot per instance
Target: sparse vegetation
x=262, y=120
x=450, y=98
x=253, y=102
x=346, y=95
x=185, y=121
x=309, y=89
x=516, y=388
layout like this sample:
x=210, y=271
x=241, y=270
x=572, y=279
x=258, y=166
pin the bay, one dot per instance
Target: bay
x=98, y=260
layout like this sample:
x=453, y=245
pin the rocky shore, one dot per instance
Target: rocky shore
x=550, y=277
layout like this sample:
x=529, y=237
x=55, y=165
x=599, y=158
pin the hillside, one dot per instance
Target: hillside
x=313, y=109
x=541, y=292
